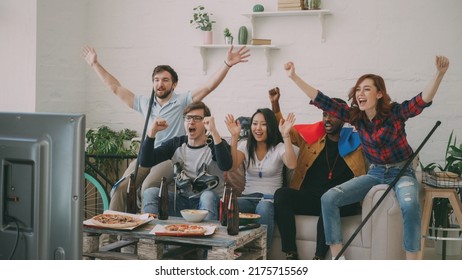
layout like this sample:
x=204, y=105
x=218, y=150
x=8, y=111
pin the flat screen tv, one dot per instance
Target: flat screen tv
x=41, y=179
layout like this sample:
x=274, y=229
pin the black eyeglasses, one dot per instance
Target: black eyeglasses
x=196, y=118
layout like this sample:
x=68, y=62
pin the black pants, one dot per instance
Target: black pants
x=290, y=202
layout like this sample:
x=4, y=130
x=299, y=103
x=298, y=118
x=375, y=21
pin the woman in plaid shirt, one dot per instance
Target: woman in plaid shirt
x=380, y=123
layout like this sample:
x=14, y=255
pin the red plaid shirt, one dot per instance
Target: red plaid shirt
x=383, y=139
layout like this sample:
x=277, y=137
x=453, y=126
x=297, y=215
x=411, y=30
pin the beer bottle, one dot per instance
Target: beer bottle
x=233, y=214
x=163, y=200
x=132, y=206
x=224, y=201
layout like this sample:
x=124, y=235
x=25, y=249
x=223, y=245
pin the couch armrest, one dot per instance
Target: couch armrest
x=383, y=231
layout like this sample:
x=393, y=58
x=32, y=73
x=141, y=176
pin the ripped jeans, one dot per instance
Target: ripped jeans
x=354, y=190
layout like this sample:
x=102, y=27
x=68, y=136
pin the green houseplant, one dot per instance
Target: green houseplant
x=108, y=147
x=228, y=36
x=201, y=19
x=453, y=159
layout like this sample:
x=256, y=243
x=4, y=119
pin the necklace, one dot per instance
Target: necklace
x=329, y=177
x=260, y=167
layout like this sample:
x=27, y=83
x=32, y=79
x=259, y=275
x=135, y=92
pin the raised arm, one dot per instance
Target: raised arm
x=148, y=156
x=442, y=65
x=157, y=125
x=234, y=128
x=274, y=95
x=289, y=158
x=222, y=152
x=209, y=123
x=232, y=58
x=310, y=91
x=89, y=54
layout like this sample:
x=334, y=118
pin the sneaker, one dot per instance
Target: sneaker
x=291, y=256
x=317, y=258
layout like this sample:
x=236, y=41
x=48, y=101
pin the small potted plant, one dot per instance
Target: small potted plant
x=228, y=37
x=312, y=4
x=201, y=20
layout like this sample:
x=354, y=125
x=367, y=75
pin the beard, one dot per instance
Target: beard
x=165, y=94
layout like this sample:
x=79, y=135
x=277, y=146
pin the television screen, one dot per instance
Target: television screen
x=41, y=179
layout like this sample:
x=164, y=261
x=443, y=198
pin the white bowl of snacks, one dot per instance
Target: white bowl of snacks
x=194, y=215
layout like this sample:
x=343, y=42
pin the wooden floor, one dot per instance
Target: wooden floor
x=432, y=254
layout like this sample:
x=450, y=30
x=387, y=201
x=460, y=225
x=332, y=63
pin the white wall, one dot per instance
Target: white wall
x=395, y=39
x=17, y=55
x=61, y=29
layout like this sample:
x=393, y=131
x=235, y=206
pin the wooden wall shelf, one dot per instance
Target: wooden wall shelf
x=319, y=13
x=266, y=49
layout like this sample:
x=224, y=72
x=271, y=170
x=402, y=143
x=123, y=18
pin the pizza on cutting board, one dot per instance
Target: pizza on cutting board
x=185, y=229
x=115, y=221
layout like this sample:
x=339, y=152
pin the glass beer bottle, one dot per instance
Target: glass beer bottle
x=163, y=200
x=233, y=214
x=132, y=206
x=224, y=201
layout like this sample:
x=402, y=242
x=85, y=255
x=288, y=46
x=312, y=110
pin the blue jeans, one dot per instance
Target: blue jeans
x=264, y=207
x=354, y=190
x=208, y=200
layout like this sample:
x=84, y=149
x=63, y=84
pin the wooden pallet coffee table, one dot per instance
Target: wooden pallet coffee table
x=249, y=244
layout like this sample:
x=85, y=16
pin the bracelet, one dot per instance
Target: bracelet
x=227, y=64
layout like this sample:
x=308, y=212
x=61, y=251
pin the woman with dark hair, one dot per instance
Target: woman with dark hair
x=381, y=126
x=265, y=152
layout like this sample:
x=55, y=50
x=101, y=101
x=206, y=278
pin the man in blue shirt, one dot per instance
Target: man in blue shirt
x=167, y=105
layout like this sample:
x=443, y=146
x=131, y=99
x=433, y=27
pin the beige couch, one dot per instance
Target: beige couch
x=380, y=237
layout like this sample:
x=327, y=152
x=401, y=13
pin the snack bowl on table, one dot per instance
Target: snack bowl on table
x=194, y=215
x=248, y=218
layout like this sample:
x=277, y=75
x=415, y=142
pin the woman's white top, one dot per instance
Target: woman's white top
x=270, y=168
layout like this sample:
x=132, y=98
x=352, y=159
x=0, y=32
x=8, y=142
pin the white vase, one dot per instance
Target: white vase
x=208, y=37
x=228, y=40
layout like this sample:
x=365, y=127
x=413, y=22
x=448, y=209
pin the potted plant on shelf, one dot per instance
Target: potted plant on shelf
x=312, y=4
x=444, y=176
x=228, y=37
x=201, y=20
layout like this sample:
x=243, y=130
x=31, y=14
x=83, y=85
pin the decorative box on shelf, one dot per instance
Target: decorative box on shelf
x=257, y=42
